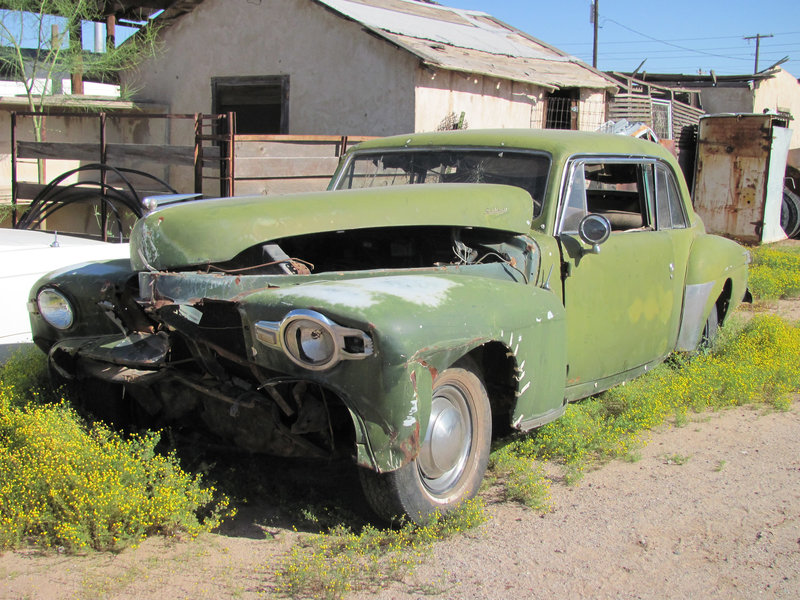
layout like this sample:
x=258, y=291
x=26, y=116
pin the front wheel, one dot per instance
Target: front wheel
x=452, y=458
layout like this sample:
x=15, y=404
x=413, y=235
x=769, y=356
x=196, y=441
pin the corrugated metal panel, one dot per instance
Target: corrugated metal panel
x=469, y=42
x=543, y=73
x=437, y=25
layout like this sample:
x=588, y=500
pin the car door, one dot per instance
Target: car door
x=620, y=298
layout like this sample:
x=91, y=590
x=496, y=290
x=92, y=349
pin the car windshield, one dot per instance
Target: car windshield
x=400, y=167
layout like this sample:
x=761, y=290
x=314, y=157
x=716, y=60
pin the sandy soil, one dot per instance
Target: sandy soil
x=723, y=524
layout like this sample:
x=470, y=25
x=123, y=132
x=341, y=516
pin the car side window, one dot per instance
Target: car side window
x=621, y=191
x=668, y=200
x=575, y=205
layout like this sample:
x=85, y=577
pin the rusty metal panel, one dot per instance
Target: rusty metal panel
x=733, y=156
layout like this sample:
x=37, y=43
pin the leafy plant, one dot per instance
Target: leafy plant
x=677, y=459
x=331, y=564
x=40, y=40
x=775, y=272
x=64, y=483
x=758, y=362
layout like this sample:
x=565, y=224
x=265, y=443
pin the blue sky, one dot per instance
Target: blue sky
x=679, y=36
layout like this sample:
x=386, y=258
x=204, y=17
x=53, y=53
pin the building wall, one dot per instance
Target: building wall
x=592, y=110
x=341, y=81
x=780, y=94
x=724, y=99
x=489, y=102
x=486, y=102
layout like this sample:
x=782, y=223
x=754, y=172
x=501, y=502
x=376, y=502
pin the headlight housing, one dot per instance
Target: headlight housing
x=55, y=308
x=313, y=341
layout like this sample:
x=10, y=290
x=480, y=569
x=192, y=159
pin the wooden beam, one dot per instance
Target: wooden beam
x=117, y=154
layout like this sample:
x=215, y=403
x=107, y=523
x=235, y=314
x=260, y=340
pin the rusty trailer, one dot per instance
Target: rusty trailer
x=738, y=187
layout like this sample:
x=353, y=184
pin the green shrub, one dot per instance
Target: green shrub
x=524, y=479
x=63, y=483
x=25, y=376
x=775, y=273
x=331, y=564
x=758, y=363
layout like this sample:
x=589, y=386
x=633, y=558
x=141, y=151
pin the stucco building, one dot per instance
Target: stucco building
x=365, y=67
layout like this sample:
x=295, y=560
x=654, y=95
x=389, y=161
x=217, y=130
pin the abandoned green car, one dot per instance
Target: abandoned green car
x=446, y=282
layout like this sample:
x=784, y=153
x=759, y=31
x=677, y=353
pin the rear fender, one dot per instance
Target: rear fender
x=713, y=262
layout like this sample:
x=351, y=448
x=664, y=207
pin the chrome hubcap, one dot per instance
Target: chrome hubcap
x=447, y=442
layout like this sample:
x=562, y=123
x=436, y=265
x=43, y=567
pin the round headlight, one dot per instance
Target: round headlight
x=55, y=308
x=309, y=343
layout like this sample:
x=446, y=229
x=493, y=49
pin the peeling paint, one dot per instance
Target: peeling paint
x=363, y=293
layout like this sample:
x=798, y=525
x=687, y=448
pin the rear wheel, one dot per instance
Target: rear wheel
x=452, y=458
x=790, y=213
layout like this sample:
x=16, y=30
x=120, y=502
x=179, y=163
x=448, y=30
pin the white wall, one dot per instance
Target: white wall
x=778, y=94
x=489, y=102
x=592, y=110
x=341, y=80
x=486, y=101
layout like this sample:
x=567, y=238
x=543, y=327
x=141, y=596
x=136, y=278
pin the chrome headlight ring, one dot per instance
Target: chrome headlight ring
x=312, y=341
x=55, y=308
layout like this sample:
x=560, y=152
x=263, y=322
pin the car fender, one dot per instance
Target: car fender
x=421, y=325
x=713, y=261
x=85, y=285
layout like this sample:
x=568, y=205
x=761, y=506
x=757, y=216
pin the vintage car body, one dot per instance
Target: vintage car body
x=445, y=282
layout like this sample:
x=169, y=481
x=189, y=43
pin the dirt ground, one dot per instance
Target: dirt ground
x=711, y=510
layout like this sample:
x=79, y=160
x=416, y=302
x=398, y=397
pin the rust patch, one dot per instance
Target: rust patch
x=433, y=371
x=410, y=447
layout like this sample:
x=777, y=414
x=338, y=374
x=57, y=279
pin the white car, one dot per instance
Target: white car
x=24, y=257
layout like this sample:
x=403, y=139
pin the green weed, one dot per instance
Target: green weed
x=64, y=483
x=676, y=459
x=524, y=479
x=332, y=564
x=758, y=362
x=775, y=272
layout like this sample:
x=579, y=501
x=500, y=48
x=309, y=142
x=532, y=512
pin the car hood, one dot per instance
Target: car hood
x=209, y=231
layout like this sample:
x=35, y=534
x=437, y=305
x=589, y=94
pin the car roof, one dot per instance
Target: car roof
x=553, y=141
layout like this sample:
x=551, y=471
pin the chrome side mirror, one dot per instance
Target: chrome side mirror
x=593, y=230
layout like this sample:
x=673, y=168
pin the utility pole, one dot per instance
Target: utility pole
x=593, y=19
x=757, y=37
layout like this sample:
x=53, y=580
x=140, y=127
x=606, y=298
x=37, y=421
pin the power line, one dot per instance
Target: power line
x=780, y=49
x=655, y=40
x=667, y=43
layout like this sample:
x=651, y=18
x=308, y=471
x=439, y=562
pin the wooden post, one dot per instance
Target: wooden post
x=103, y=178
x=76, y=39
x=231, y=153
x=198, y=153
x=111, y=32
x=594, y=20
x=13, y=169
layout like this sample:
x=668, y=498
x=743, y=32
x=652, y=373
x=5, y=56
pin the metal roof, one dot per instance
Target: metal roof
x=141, y=10
x=442, y=37
x=469, y=41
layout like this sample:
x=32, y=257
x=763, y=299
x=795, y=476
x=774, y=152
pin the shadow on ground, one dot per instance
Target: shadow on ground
x=271, y=494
